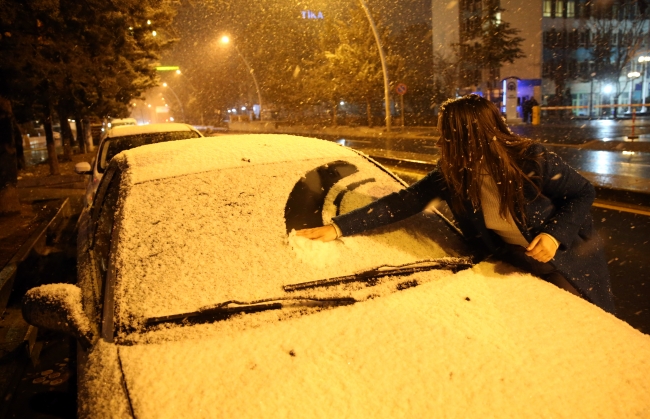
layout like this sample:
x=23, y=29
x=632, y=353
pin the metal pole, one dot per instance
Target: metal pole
x=383, y=63
x=644, y=87
x=591, y=98
x=250, y=70
x=631, y=84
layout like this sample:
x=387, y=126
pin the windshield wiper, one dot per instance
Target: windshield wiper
x=223, y=311
x=449, y=263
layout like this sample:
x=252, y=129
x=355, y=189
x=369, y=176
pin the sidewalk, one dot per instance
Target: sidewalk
x=40, y=194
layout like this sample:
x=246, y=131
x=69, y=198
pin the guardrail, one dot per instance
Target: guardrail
x=618, y=105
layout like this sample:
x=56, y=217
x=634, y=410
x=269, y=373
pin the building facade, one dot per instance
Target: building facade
x=588, y=54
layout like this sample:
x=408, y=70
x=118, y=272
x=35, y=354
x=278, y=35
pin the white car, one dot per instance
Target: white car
x=195, y=299
x=123, y=136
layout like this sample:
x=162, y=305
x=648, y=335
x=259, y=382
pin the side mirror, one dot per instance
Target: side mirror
x=58, y=307
x=83, y=168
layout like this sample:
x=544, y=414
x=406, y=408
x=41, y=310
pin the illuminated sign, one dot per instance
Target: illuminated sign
x=308, y=14
x=167, y=68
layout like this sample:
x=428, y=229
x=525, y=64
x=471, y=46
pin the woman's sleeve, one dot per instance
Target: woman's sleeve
x=571, y=194
x=392, y=208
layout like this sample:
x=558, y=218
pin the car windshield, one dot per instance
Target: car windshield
x=113, y=146
x=197, y=240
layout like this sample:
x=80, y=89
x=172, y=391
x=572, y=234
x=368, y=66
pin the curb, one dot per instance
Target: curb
x=38, y=237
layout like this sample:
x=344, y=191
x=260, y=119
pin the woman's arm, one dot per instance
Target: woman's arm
x=394, y=207
x=571, y=194
x=389, y=209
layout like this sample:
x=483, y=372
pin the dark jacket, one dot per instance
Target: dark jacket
x=561, y=210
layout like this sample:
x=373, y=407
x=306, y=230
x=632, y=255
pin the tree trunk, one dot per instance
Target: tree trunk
x=9, y=203
x=335, y=114
x=369, y=112
x=88, y=135
x=49, y=140
x=66, y=133
x=80, y=134
x=18, y=141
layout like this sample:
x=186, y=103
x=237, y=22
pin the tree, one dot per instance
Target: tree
x=9, y=203
x=487, y=45
x=348, y=65
x=413, y=45
x=619, y=31
x=87, y=57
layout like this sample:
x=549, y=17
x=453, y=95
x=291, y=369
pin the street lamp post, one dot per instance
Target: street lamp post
x=632, y=75
x=384, y=67
x=644, y=86
x=226, y=40
x=177, y=99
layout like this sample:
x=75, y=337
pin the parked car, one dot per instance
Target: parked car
x=118, y=122
x=123, y=137
x=195, y=299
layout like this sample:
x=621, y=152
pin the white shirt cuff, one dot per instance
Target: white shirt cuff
x=338, y=230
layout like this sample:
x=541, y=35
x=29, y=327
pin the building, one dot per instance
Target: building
x=588, y=54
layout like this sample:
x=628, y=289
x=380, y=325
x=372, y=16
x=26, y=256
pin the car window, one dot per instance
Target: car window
x=114, y=146
x=103, y=233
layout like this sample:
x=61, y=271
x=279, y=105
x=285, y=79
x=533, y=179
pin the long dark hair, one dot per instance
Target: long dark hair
x=474, y=139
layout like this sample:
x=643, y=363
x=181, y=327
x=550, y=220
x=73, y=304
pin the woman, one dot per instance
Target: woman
x=510, y=197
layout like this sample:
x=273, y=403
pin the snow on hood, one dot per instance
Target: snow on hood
x=478, y=344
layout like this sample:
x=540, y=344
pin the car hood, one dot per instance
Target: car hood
x=475, y=345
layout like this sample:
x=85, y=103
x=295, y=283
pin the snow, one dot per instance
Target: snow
x=484, y=343
x=202, y=222
x=123, y=130
x=175, y=159
x=195, y=240
x=59, y=296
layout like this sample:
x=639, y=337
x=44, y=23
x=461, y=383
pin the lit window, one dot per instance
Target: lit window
x=547, y=8
x=570, y=8
x=559, y=8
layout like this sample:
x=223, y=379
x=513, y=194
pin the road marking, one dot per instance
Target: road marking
x=619, y=208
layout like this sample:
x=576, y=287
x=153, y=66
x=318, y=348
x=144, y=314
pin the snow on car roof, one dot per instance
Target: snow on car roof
x=171, y=159
x=122, y=130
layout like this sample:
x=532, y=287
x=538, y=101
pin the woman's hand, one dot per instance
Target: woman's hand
x=542, y=248
x=325, y=233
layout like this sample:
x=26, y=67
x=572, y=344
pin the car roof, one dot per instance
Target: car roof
x=123, y=130
x=178, y=158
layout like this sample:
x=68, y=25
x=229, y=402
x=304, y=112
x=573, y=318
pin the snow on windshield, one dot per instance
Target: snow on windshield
x=200, y=239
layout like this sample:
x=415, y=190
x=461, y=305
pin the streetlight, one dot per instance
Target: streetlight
x=177, y=100
x=382, y=57
x=644, y=86
x=225, y=40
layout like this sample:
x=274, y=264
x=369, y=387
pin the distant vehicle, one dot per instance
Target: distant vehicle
x=195, y=299
x=124, y=137
x=118, y=122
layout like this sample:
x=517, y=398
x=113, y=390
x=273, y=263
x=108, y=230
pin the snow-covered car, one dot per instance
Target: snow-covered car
x=196, y=299
x=125, y=134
